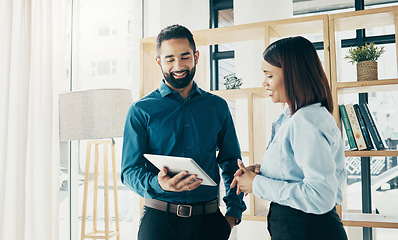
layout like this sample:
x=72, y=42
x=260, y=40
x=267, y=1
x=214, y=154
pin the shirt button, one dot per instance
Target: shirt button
x=187, y=125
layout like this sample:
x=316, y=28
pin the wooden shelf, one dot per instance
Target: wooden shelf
x=255, y=98
x=369, y=18
x=328, y=26
x=234, y=94
x=298, y=26
x=244, y=153
x=254, y=218
x=255, y=31
x=369, y=220
x=384, y=85
x=375, y=153
x=365, y=19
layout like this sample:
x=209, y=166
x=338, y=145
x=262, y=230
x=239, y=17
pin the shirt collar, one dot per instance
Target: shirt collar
x=166, y=90
x=287, y=111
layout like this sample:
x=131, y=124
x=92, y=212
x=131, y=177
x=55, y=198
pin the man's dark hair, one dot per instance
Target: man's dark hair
x=173, y=32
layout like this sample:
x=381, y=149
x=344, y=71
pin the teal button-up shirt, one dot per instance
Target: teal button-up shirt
x=164, y=123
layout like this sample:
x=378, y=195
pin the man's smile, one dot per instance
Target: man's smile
x=179, y=74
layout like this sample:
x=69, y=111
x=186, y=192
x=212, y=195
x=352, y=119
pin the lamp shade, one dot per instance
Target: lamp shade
x=93, y=114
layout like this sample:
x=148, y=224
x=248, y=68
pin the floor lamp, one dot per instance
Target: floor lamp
x=97, y=116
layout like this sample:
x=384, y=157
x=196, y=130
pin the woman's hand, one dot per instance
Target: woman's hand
x=244, y=177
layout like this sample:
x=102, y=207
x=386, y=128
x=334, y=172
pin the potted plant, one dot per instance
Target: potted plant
x=365, y=57
x=232, y=81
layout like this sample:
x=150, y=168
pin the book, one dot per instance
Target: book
x=347, y=127
x=364, y=129
x=356, y=129
x=372, y=127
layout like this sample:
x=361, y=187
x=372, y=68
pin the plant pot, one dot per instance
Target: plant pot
x=367, y=71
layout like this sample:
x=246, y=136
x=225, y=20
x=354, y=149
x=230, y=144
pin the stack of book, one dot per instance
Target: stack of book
x=360, y=127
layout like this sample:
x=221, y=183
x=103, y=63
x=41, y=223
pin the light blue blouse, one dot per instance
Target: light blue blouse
x=304, y=164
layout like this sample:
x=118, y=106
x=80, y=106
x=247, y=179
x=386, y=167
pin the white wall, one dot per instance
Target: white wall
x=192, y=14
x=249, y=11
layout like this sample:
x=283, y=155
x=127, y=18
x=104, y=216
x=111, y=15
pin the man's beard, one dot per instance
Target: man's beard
x=181, y=82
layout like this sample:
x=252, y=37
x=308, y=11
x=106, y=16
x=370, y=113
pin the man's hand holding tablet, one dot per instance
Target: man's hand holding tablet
x=180, y=182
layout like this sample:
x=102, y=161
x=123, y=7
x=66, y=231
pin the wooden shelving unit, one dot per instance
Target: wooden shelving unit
x=324, y=25
x=352, y=21
x=367, y=86
x=256, y=110
x=380, y=153
x=369, y=220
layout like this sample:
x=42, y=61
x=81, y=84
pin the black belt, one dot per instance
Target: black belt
x=183, y=210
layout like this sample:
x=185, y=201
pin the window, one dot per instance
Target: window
x=100, y=55
x=221, y=55
x=106, y=29
x=104, y=68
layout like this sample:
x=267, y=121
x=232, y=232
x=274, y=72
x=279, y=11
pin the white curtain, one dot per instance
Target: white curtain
x=32, y=45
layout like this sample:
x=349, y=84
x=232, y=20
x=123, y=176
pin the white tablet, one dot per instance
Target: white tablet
x=175, y=165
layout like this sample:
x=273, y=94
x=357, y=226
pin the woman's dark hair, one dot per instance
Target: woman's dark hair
x=305, y=80
x=173, y=32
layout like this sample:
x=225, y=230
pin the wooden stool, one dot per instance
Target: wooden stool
x=100, y=234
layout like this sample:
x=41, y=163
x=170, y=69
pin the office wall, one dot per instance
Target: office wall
x=159, y=13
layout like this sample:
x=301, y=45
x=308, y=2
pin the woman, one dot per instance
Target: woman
x=303, y=171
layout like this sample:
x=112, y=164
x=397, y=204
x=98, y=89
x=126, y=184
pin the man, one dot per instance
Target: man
x=180, y=119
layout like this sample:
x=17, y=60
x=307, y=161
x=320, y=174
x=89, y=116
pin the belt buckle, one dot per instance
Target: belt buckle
x=179, y=207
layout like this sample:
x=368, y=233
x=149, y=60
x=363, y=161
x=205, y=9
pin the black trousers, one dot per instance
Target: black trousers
x=291, y=224
x=159, y=225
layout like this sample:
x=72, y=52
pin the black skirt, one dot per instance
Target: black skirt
x=286, y=223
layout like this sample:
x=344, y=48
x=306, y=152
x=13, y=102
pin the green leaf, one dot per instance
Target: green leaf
x=368, y=52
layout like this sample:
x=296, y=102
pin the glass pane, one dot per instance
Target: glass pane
x=312, y=7
x=64, y=194
x=104, y=56
x=384, y=186
x=102, y=45
x=379, y=3
x=225, y=67
x=384, y=233
x=383, y=106
x=225, y=18
x=64, y=165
